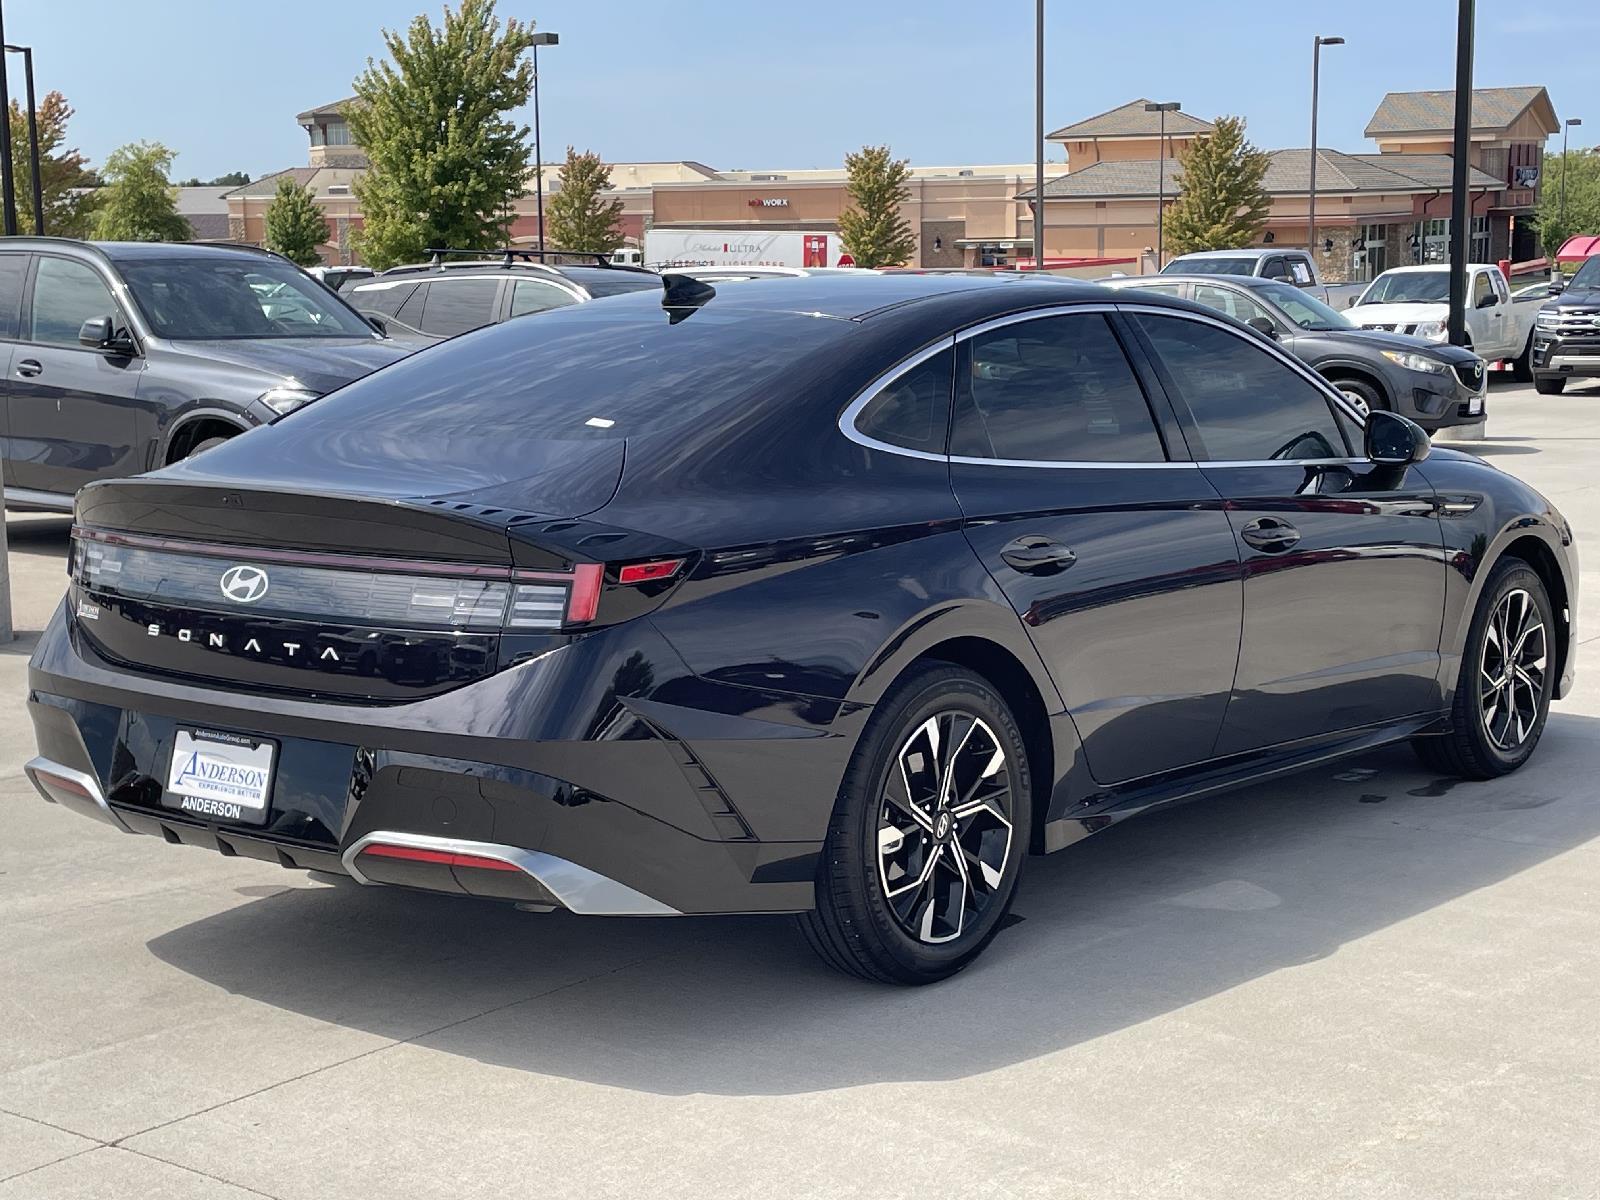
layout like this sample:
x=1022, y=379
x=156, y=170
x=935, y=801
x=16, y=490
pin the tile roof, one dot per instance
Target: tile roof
x=322, y=110
x=1130, y=120
x=267, y=185
x=1288, y=172
x=193, y=200
x=207, y=227
x=1493, y=109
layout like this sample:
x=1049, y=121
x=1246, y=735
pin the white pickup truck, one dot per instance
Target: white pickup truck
x=1416, y=300
x=1269, y=262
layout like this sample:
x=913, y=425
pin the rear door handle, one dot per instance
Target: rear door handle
x=1033, y=554
x=29, y=367
x=1270, y=535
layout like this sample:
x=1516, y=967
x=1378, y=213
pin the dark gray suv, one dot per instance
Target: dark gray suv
x=121, y=357
x=1436, y=386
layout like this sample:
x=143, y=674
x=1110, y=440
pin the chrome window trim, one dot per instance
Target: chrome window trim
x=848, y=417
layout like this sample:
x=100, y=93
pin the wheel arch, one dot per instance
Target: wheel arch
x=194, y=427
x=1534, y=551
x=1536, y=542
x=1342, y=369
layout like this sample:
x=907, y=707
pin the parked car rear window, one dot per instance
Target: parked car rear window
x=1057, y=389
x=1210, y=266
x=536, y=295
x=65, y=295
x=587, y=375
x=12, y=269
x=1247, y=405
x=456, y=305
x=601, y=281
x=243, y=297
x=384, y=299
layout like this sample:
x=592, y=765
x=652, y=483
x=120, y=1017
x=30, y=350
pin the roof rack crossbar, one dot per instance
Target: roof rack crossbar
x=436, y=254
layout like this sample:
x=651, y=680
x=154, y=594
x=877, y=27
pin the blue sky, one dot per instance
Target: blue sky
x=761, y=84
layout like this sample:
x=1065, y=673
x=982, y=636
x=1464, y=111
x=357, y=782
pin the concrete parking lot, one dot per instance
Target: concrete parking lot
x=1365, y=982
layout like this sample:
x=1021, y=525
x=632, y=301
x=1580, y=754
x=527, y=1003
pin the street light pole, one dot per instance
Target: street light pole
x=1565, y=162
x=8, y=186
x=1460, y=200
x=1161, y=179
x=33, y=138
x=1038, y=138
x=539, y=39
x=1311, y=199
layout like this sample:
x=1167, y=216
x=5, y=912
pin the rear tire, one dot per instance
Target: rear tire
x=208, y=444
x=1522, y=365
x=1549, y=385
x=1507, y=675
x=928, y=834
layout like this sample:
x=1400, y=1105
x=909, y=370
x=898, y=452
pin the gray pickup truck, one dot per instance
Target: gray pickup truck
x=1267, y=262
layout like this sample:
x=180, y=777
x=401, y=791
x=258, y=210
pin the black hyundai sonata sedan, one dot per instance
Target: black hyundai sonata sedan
x=835, y=597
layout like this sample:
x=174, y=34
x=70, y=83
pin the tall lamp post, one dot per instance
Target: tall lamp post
x=1565, y=163
x=1460, y=148
x=539, y=39
x=33, y=138
x=1311, y=199
x=1161, y=179
x=8, y=193
x=1038, y=137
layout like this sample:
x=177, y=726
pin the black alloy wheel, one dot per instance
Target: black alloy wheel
x=1508, y=671
x=928, y=836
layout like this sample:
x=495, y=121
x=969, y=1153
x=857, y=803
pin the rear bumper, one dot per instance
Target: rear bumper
x=606, y=775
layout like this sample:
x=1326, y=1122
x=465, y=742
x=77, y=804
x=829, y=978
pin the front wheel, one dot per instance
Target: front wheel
x=928, y=835
x=1508, y=671
x=1362, y=395
x=1549, y=385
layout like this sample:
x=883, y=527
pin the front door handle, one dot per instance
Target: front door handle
x=29, y=367
x=1270, y=535
x=1035, y=555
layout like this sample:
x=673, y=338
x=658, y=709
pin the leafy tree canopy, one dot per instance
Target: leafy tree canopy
x=872, y=229
x=1222, y=205
x=63, y=173
x=580, y=216
x=1581, y=169
x=139, y=203
x=295, y=227
x=434, y=120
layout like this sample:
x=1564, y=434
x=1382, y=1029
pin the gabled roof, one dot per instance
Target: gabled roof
x=1288, y=172
x=336, y=109
x=1130, y=120
x=1493, y=111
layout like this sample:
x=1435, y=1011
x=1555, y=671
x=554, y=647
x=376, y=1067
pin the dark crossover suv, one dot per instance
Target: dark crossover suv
x=1435, y=385
x=1566, y=332
x=121, y=357
x=427, y=303
x=832, y=597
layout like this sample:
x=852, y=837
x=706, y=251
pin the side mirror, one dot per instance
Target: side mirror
x=1558, y=284
x=379, y=324
x=1489, y=301
x=1264, y=327
x=101, y=333
x=1395, y=441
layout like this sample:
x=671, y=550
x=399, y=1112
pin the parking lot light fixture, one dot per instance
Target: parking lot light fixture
x=1161, y=177
x=1311, y=199
x=539, y=39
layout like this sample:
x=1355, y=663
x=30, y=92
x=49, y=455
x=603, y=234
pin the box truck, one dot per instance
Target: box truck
x=667, y=248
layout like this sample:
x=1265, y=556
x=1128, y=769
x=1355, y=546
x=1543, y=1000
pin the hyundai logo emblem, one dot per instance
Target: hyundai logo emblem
x=244, y=584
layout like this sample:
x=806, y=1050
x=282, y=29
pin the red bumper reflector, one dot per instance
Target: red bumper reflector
x=650, y=571
x=63, y=784
x=583, y=602
x=443, y=858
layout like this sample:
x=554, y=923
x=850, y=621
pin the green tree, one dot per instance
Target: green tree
x=228, y=179
x=1221, y=205
x=580, y=216
x=1582, y=215
x=139, y=203
x=295, y=227
x=447, y=160
x=65, y=181
x=872, y=229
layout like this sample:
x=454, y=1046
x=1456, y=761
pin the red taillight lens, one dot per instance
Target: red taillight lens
x=443, y=858
x=649, y=572
x=583, y=600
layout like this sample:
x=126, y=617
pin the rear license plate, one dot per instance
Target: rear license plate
x=220, y=776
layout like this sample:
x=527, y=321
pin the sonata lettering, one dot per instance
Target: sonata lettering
x=252, y=645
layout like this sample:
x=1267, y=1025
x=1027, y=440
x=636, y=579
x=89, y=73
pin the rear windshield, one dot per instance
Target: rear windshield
x=601, y=281
x=586, y=371
x=1210, y=266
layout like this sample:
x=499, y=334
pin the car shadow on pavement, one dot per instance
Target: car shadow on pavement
x=1144, y=919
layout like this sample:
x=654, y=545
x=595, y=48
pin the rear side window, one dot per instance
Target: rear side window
x=1057, y=389
x=12, y=269
x=914, y=410
x=65, y=295
x=457, y=305
x=385, y=299
x=534, y=295
x=1247, y=406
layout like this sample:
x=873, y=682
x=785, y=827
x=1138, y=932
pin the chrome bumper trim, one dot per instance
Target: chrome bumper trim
x=579, y=889
x=90, y=803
